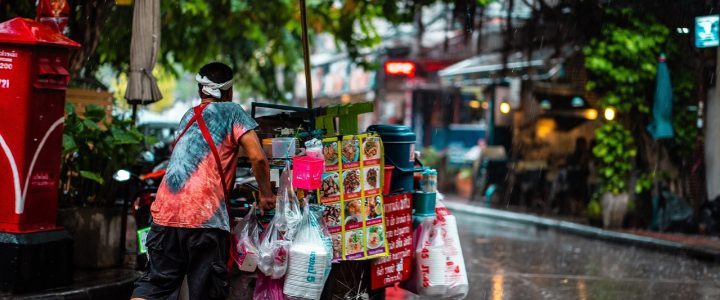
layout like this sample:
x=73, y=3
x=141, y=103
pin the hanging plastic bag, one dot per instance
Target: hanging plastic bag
x=439, y=267
x=246, y=236
x=310, y=257
x=455, y=273
x=291, y=208
x=313, y=148
x=274, y=246
x=267, y=288
x=428, y=277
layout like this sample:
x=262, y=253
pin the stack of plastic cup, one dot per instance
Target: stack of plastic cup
x=307, y=272
x=455, y=273
x=431, y=265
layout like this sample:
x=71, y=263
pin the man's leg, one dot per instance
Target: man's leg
x=167, y=261
x=207, y=259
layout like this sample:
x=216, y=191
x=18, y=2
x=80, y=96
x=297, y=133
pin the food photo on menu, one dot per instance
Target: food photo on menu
x=330, y=153
x=375, y=238
x=354, y=243
x=330, y=185
x=372, y=178
x=353, y=212
x=351, y=181
x=331, y=215
x=373, y=207
x=337, y=245
x=350, y=150
x=371, y=148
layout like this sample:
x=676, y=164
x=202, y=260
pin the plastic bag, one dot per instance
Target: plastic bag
x=313, y=148
x=310, y=257
x=275, y=245
x=455, y=273
x=246, y=236
x=439, y=268
x=291, y=205
x=428, y=276
x=674, y=215
x=267, y=288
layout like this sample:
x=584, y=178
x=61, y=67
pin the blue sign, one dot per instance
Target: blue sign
x=706, y=31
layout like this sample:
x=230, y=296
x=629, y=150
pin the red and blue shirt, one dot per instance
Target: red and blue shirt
x=191, y=193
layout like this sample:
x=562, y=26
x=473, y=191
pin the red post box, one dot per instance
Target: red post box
x=34, y=253
x=33, y=79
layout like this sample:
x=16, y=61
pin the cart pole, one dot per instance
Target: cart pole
x=306, y=55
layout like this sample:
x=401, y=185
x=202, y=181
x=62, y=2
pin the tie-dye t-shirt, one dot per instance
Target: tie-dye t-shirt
x=191, y=194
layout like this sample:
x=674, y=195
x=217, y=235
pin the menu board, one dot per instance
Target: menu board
x=351, y=191
x=386, y=271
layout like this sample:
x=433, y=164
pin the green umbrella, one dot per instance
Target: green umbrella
x=661, y=125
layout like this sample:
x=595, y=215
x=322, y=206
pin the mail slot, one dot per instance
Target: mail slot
x=33, y=78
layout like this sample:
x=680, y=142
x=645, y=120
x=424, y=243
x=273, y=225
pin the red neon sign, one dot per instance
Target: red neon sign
x=400, y=68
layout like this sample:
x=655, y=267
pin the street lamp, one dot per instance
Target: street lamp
x=591, y=114
x=609, y=113
x=504, y=107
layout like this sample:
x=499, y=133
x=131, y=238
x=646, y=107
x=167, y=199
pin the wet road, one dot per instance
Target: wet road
x=516, y=261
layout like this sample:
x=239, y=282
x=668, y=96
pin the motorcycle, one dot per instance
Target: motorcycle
x=243, y=195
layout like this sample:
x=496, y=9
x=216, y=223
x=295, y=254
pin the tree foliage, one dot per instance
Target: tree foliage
x=622, y=60
x=93, y=149
x=260, y=39
x=615, y=151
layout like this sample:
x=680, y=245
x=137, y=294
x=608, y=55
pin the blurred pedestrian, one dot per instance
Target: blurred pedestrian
x=578, y=165
x=190, y=227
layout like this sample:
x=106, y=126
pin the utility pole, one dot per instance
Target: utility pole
x=712, y=135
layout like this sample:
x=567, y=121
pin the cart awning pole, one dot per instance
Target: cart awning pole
x=306, y=55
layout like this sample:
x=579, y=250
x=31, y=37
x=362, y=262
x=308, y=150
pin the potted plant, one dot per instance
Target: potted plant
x=615, y=151
x=94, y=147
x=463, y=182
x=593, y=211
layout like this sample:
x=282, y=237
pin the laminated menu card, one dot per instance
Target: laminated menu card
x=329, y=194
x=351, y=193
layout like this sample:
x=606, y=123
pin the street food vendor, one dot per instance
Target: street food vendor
x=190, y=226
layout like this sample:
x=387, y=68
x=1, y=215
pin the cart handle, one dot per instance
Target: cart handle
x=279, y=107
x=408, y=170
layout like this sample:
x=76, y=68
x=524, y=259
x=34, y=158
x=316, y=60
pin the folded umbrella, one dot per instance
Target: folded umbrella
x=142, y=86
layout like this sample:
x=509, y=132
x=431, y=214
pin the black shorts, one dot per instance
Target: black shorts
x=173, y=253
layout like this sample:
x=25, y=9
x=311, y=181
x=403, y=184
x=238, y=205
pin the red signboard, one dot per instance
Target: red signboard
x=387, y=271
x=400, y=68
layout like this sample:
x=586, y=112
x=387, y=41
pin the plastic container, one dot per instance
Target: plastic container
x=267, y=147
x=283, y=147
x=424, y=203
x=399, y=146
x=387, y=180
x=307, y=172
x=428, y=182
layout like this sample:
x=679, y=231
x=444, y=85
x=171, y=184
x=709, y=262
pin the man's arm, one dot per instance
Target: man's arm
x=261, y=168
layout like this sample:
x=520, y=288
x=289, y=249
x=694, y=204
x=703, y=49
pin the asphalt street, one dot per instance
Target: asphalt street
x=507, y=260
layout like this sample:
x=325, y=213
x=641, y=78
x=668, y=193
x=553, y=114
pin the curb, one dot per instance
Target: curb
x=111, y=290
x=588, y=231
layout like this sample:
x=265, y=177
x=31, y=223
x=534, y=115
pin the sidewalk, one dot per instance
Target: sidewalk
x=697, y=246
x=88, y=284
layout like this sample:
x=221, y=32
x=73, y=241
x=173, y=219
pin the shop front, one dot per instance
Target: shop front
x=537, y=110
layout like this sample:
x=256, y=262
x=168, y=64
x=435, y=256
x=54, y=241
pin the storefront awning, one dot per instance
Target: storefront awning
x=487, y=68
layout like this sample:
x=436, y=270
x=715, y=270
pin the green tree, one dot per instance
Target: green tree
x=622, y=60
x=260, y=39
